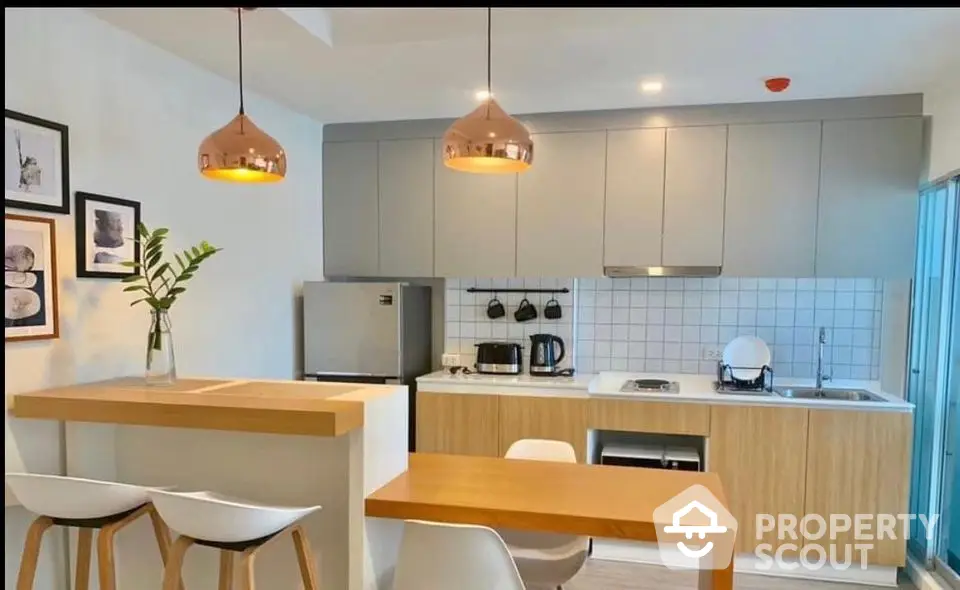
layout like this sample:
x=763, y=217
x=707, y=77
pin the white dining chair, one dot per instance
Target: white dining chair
x=545, y=560
x=439, y=556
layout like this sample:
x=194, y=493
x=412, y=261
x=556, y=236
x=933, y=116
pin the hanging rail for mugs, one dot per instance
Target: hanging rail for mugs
x=524, y=291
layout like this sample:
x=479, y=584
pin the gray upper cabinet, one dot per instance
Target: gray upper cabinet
x=819, y=189
x=406, y=208
x=869, y=176
x=696, y=161
x=770, y=222
x=560, y=206
x=350, y=209
x=476, y=223
x=633, y=217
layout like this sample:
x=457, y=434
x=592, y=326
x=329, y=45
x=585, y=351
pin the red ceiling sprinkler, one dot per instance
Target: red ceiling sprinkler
x=777, y=84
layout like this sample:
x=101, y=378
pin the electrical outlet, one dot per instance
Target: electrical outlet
x=450, y=359
x=711, y=353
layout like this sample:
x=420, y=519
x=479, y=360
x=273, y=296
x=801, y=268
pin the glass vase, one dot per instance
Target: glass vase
x=161, y=366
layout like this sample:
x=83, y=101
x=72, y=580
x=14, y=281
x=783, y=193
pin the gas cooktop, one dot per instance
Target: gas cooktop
x=650, y=386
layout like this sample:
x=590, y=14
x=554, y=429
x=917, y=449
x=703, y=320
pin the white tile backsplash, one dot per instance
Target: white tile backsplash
x=466, y=322
x=667, y=324
x=671, y=322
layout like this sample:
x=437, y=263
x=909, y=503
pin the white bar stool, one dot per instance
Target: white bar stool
x=86, y=505
x=232, y=526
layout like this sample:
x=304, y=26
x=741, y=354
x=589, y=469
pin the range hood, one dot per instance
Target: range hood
x=618, y=272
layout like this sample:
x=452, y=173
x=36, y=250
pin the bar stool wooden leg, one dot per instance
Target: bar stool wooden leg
x=105, y=547
x=105, y=562
x=308, y=572
x=226, y=570
x=247, y=578
x=31, y=552
x=84, y=555
x=171, y=572
x=162, y=533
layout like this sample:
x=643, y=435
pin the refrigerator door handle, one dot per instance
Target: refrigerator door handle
x=352, y=378
x=350, y=374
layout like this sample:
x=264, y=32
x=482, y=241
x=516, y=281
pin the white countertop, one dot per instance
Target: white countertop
x=699, y=388
x=693, y=389
x=443, y=382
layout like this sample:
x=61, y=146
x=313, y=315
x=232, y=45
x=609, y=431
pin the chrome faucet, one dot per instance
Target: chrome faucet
x=821, y=340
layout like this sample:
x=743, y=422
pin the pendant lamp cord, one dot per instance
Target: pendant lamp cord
x=240, y=51
x=489, y=49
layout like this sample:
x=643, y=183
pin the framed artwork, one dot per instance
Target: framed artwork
x=36, y=164
x=30, y=308
x=106, y=236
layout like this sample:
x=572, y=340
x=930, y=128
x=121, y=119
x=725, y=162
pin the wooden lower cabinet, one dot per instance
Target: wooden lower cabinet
x=555, y=418
x=458, y=424
x=649, y=417
x=771, y=460
x=760, y=454
x=859, y=463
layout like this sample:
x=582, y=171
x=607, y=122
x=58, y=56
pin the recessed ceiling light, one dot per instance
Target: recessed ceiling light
x=651, y=87
x=482, y=94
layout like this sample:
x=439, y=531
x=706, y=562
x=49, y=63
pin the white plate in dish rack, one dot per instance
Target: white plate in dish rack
x=746, y=356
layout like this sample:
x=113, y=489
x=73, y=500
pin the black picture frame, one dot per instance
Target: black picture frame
x=83, y=199
x=14, y=199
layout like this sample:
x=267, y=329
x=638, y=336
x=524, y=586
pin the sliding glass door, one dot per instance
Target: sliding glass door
x=934, y=382
x=948, y=554
x=924, y=389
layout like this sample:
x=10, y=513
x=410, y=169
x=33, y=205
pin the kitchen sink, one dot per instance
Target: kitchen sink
x=847, y=395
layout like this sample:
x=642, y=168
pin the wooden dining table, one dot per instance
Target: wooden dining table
x=588, y=500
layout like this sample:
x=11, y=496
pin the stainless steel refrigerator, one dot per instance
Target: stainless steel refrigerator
x=367, y=333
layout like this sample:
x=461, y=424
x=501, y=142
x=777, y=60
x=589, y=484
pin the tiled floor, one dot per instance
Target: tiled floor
x=612, y=575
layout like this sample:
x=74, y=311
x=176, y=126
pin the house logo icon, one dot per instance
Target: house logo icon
x=690, y=530
x=695, y=531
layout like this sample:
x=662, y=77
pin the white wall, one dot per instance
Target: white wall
x=137, y=115
x=942, y=105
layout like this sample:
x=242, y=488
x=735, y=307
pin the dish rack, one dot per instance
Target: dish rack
x=726, y=382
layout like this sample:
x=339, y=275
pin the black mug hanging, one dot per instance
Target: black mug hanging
x=525, y=312
x=495, y=309
x=552, y=310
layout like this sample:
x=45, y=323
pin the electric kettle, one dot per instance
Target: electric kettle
x=544, y=358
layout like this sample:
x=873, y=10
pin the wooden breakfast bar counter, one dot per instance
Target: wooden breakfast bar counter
x=277, y=407
x=277, y=442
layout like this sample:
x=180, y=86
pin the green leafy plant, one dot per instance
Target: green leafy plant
x=158, y=281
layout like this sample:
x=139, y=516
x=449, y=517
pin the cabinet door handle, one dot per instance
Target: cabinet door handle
x=915, y=371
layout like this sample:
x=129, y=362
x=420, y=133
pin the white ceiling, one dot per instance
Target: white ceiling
x=362, y=64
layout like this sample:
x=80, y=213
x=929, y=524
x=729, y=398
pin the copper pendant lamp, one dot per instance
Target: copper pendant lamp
x=488, y=140
x=240, y=151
